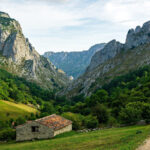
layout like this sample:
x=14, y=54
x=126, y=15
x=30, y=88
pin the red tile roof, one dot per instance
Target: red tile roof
x=54, y=121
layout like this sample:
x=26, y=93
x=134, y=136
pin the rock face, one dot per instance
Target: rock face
x=114, y=60
x=18, y=56
x=73, y=63
x=109, y=51
x=139, y=36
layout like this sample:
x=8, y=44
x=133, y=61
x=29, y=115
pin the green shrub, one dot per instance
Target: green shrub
x=90, y=121
x=77, y=120
x=131, y=113
x=20, y=121
x=7, y=134
x=112, y=121
x=101, y=112
x=139, y=132
x=4, y=124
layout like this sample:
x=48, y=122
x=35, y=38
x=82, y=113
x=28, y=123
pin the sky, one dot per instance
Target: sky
x=75, y=25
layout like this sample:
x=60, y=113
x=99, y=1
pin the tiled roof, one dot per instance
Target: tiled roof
x=54, y=121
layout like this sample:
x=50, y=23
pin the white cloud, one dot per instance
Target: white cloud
x=75, y=24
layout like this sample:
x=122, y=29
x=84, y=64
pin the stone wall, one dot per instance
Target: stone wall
x=65, y=129
x=24, y=132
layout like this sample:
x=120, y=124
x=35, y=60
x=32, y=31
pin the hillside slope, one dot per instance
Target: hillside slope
x=114, y=60
x=19, y=57
x=14, y=88
x=11, y=110
x=73, y=63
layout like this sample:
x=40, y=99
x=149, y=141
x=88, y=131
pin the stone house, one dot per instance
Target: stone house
x=44, y=128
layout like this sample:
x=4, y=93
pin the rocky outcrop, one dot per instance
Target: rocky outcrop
x=18, y=56
x=139, y=36
x=73, y=63
x=109, y=51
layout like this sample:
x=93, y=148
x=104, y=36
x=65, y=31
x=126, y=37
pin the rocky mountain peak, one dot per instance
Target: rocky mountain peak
x=13, y=44
x=109, y=51
x=21, y=58
x=114, y=60
x=146, y=26
x=138, y=36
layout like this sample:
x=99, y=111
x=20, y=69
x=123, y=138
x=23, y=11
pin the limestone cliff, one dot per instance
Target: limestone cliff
x=109, y=51
x=139, y=36
x=18, y=56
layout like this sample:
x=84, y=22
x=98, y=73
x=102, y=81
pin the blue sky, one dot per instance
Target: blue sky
x=75, y=25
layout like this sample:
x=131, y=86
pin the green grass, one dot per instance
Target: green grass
x=12, y=110
x=109, y=139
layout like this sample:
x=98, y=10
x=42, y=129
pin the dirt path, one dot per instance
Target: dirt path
x=145, y=146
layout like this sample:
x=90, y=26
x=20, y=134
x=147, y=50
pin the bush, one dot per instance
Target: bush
x=3, y=125
x=48, y=108
x=77, y=120
x=7, y=134
x=146, y=111
x=90, y=121
x=112, y=122
x=19, y=121
x=131, y=113
x=101, y=112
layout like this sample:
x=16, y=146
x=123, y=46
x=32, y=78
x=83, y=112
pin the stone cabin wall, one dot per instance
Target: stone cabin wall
x=24, y=132
x=65, y=129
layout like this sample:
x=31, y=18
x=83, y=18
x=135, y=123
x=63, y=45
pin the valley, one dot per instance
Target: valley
x=111, y=89
x=73, y=63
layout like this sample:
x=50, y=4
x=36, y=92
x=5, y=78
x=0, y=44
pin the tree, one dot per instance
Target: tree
x=93, y=100
x=90, y=121
x=78, y=108
x=146, y=111
x=132, y=113
x=20, y=121
x=77, y=120
x=101, y=112
x=103, y=95
x=48, y=108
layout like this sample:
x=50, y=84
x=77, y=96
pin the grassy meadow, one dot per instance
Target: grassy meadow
x=12, y=110
x=126, y=138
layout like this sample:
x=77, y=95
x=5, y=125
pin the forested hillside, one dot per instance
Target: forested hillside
x=21, y=100
x=125, y=100
x=20, y=90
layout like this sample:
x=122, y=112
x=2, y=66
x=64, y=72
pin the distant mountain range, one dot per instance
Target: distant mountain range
x=19, y=57
x=113, y=60
x=73, y=63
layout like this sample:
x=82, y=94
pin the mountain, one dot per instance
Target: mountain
x=114, y=60
x=19, y=57
x=73, y=63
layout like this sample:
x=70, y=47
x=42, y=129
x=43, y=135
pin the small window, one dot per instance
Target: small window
x=35, y=129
